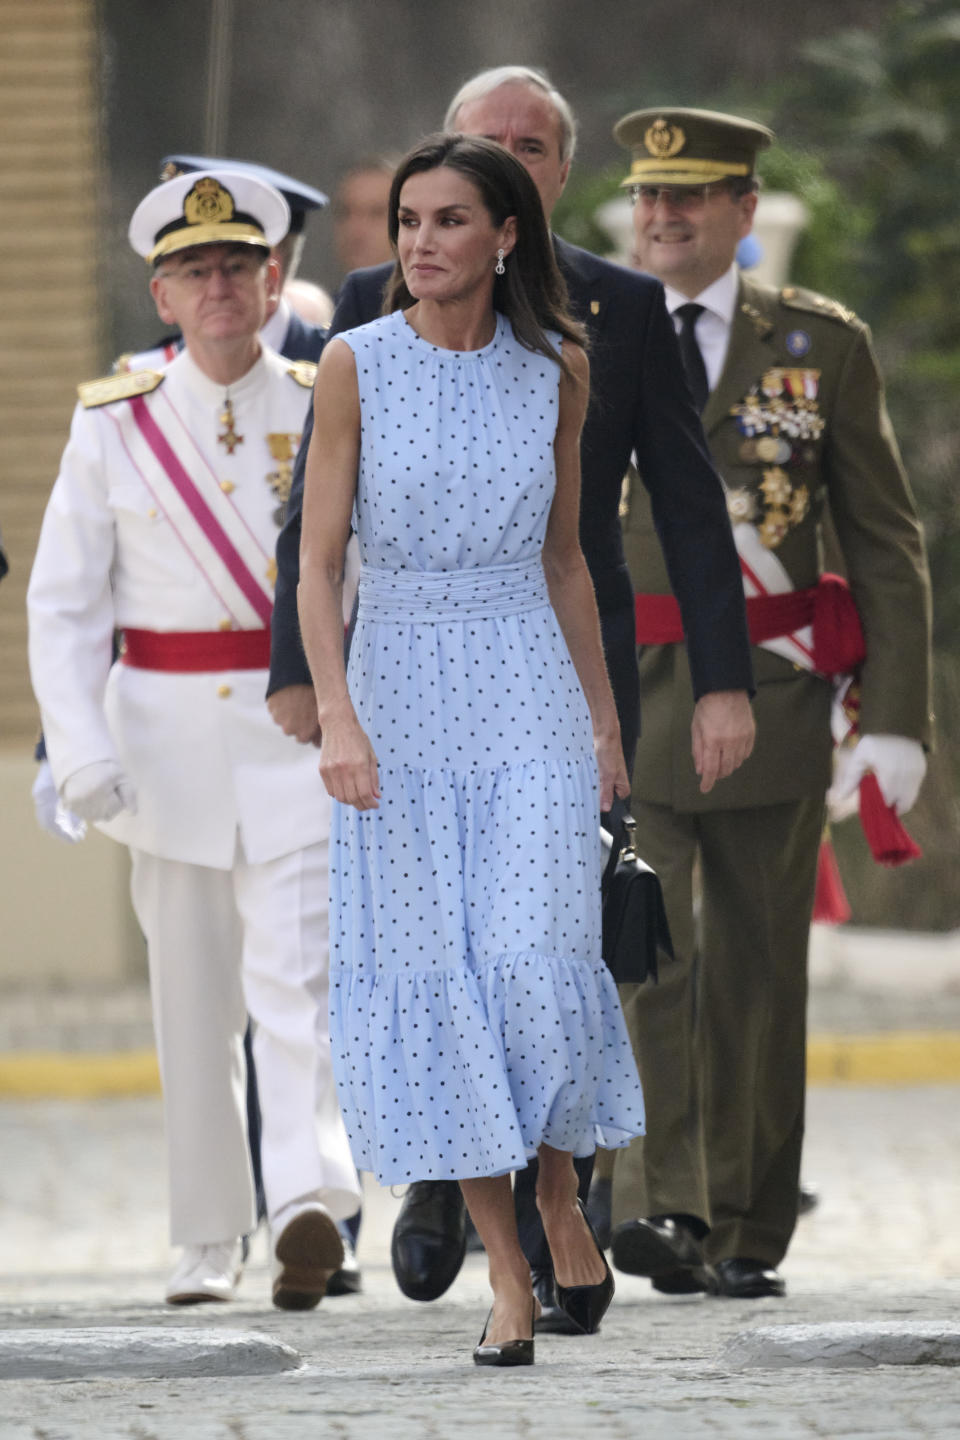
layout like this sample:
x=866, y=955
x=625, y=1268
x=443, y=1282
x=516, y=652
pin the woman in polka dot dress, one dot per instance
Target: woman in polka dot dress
x=474, y=738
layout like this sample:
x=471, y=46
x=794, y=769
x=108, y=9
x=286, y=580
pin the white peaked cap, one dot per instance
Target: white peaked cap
x=209, y=207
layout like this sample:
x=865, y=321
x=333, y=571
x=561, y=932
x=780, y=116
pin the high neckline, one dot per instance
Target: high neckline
x=418, y=340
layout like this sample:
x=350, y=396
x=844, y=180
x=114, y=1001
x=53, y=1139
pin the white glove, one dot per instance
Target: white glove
x=99, y=791
x=52, y=815
x=898, y=763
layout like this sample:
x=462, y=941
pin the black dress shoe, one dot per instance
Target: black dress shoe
x=346, y=1280
x=666, y=1250
x=808, y=1198
x=586, y=1305
x=510, y=1352
x=551, y=1320
x=429, y=1239
x=743, y=1279
x=698, y=1281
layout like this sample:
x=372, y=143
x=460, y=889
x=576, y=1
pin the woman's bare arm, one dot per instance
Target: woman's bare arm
x=348, y=765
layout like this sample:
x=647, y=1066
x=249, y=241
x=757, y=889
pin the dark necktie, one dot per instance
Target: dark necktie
x=690, y=353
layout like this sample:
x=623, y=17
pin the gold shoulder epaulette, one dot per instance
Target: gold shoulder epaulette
x=304, y=372
x=796, y=298
x=118, y=387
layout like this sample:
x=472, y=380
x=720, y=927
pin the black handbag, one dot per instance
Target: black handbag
x=635, y=929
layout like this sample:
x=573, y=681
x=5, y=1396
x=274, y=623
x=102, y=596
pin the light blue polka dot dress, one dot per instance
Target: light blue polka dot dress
x=471, y=1014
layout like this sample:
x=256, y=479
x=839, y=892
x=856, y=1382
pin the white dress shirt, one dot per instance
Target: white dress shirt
x=712, y=329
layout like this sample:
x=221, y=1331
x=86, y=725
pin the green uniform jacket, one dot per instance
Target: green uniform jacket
x=819, y=351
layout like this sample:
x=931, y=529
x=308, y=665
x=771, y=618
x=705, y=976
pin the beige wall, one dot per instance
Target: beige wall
x=67, y=919
x=66, y=916
x=48, y=295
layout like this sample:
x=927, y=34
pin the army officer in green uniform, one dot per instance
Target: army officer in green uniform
x=794, y=414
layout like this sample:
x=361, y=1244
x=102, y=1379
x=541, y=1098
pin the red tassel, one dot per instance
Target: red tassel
x=830, y=904
x=888, y=840
x=838, y=643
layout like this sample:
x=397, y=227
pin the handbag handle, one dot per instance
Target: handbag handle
x=622, y=831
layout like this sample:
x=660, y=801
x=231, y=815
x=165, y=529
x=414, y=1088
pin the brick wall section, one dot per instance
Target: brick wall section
x=48, y=289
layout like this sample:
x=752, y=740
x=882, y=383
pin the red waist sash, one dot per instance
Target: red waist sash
x=185, y=651
x=828, y=606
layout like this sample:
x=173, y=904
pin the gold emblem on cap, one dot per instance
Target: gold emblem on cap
x=208, y=203
x=664, y=140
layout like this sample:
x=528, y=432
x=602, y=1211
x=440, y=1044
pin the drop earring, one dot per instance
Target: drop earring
x=500, y=268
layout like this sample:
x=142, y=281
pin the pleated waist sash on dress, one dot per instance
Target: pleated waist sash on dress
x=423, y=597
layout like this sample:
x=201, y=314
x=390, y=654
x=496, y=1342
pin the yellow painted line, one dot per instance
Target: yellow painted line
x=36, y=1075
x=896, y=1057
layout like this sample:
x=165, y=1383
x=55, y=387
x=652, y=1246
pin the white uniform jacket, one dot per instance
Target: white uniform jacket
x=201, y=749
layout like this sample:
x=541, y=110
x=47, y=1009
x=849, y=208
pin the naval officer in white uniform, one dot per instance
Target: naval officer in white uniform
x=161, y=525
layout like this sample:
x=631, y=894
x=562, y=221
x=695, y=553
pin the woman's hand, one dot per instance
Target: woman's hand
x=348, y=765
x=614, y=780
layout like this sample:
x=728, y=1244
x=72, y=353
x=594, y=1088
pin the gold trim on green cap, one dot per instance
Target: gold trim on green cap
x=230, y=232
x=678, y=171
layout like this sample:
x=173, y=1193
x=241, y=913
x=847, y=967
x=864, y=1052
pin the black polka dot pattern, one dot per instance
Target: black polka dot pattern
x=472, y=1017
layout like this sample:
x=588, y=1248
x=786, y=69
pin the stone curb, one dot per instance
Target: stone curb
x=897, y=1057
x=147, y=1351
x=844, y=1345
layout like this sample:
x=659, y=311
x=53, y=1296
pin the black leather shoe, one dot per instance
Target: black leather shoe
x=429, y=1239
x=551, y=1320
x=808, y=1198
x=743, y=1279
x=586, y=1305
x=698, y=1281
x=666, y=1250
x=346, y=1280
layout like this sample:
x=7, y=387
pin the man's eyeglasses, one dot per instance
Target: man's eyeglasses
x=197, y=274
x=679, y=197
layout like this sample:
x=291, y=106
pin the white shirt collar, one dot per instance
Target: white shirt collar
x=720, y=298
x=275, y=331
x=211, y=392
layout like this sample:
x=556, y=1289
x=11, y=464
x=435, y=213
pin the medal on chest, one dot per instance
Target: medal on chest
x=283, y=449
x=780, y=422
x=230, y=438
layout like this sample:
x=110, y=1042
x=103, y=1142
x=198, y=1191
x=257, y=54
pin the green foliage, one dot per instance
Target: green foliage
x=575, y=212
x=830, y=252
x=880, y=111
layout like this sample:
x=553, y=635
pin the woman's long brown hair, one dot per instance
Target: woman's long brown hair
x=532, y=294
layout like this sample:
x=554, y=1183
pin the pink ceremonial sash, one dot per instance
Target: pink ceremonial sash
x=211, y=528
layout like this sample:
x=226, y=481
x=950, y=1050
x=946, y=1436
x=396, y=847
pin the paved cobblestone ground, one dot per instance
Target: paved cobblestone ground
x=82, y=1242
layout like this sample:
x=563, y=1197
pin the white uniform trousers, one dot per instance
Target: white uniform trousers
x=222, y=943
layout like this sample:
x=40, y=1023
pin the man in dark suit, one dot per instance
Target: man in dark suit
x=639, y=403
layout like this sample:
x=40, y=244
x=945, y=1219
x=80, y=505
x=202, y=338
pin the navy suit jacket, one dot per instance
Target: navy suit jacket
x=639, y=403
x=303, y=342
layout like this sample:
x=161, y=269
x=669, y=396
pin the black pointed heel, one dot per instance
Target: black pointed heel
x=511, y=1352
x=586, y=1305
